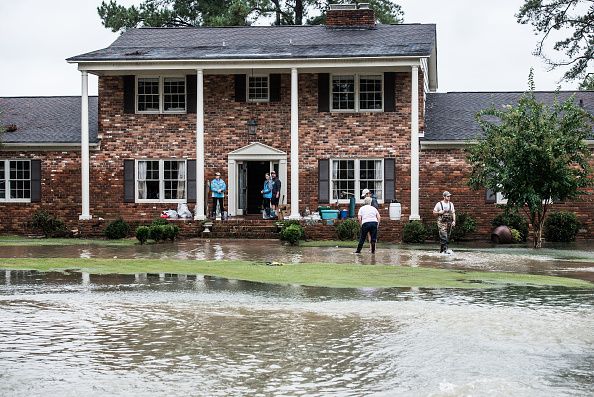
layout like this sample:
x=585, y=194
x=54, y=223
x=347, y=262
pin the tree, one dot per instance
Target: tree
x=572, y=18
x=588, y=83
x=534, y=154
x=158, y=13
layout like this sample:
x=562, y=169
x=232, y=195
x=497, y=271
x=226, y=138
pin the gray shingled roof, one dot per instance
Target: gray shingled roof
x=46, y=119
x=451, y=116
x=266, y=42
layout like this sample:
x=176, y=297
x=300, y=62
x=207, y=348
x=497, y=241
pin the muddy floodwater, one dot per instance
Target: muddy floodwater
x=80, y=334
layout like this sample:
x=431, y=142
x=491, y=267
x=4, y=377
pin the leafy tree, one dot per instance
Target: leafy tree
x=573, y=18
x=158, y=13
x=588, y=83
x=533, y=153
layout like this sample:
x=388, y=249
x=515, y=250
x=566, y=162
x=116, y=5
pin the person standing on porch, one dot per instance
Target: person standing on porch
x=446, y=220
x=276, y=189
x=369, y=218
x=267, y=194
x=218, y=187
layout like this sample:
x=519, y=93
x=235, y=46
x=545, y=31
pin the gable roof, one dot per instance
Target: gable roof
x=44, y=120
x=266, y=42
x=451, y=116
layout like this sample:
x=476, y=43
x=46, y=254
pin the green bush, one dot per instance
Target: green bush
x=156, y=232
x=169, y=232
x=117, y=229
x=414, y=232
x=49, y=225
x=561, y=226
x=348, y=229
x=159, y=221
x=465, y=224
x=292, y=234
x=142, y=234
x=513, y=220
x=516, y=235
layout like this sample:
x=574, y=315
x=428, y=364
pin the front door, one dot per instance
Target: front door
x=255, y=183
x=242, y=188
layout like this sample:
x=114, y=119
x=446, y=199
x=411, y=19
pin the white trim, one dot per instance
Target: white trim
x=161, y=93
x=199, y=213
x=357, y=169
x=84, y=149
x=294, y=145
x=247, y=88
x=50, y=146
x=7, y=180
x=435, y=145
x=357, y=92
x=414, y=145
x=161, y=182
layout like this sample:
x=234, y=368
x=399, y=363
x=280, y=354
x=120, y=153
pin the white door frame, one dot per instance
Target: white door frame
x=255, y=151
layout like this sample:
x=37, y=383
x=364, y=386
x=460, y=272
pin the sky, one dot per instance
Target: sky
x=480, y=45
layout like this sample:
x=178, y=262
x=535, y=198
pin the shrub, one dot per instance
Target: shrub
x=159, y=221
x=142, y=234
x=156, y=232
x=513, y=220
x=49, y=225
x=348, y=229
x=465, y=224
x=414, y=232
x=292, y=234
x=117, y=229
x=169, y=232
x=516, y=235
x=561, y=226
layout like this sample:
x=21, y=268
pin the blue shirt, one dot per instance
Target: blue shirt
x=216, y=185
x=267, y=190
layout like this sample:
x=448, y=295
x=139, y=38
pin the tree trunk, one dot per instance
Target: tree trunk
x=538, y=235
x=298, y=12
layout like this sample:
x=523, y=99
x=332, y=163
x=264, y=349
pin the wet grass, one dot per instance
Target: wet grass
x=18, y=241
x=310, y=274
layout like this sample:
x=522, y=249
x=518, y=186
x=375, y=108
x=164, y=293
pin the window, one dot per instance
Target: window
x=350, y=177
x=356, y=93
x=161, y=180
x=15, y=180
x=258, y=89
x=161, y=94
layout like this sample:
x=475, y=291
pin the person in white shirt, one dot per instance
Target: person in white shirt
x=446, y=220
x=369, y=218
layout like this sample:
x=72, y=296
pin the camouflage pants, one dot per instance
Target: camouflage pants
x=444, y=228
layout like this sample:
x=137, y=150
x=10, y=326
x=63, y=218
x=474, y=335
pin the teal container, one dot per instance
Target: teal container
x=352, y=207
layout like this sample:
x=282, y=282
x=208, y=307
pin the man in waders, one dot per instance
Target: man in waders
x=446, y=220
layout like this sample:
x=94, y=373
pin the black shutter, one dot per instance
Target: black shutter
x=275, y=87
x=323, y=92
x=490, y=196
x=129, y=181
x=129, y=90
x=35, y=181
x=191, y=173
x=389, y=92
x=240, y=88
x=323, y=181
x=191, y=82
x=389, y=180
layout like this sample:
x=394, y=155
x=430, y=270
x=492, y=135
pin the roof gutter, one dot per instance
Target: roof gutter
x=454, y=144
x=45, y=146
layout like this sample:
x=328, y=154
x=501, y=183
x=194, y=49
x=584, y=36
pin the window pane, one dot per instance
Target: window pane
x=343, y=92
x=174, y=94
x=343, y=179
x=148, y=180
x=370, y=93
x=175, y=179
x=2, y=189
x=152, y=190
x=20, y=179
x=258, y=88
x=148, y=95
x=371, y=177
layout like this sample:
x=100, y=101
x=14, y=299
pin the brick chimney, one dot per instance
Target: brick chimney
x=350, y=16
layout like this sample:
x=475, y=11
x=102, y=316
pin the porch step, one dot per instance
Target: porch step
x=250, y=229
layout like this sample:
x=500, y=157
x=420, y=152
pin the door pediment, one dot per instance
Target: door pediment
x=257, y=151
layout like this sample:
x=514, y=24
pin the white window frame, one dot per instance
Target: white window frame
x=357, y=78
x=501, y=200
x=247, y=88
x=357, y=161
x=161, y=94
x=7, y=187
x=162, y=198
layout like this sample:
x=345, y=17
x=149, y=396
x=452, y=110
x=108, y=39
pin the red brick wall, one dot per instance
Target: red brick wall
x=350, y=18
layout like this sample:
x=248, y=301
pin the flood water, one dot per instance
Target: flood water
x=73, y=334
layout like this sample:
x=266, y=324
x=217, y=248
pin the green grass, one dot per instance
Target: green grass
x=311, y=274
x=12, y=241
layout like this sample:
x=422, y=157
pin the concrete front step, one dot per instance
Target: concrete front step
x=251, y=229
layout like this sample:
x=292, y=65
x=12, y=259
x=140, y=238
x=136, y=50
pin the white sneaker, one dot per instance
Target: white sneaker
x=449, y=252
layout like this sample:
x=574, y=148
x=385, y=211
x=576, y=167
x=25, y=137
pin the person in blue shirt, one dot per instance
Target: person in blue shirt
x=267, y=194
x=217, y=187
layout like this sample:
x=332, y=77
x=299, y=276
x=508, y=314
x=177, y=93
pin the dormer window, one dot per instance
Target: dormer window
x=161, y=94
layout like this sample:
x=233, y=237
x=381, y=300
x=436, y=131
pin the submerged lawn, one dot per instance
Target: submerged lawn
x=311, y=274
x=18, y=241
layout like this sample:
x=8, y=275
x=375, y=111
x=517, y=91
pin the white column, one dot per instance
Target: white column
x=84, y=147
x=232, y=188
x=294, y=145
x=199, y=211
x=414, y=145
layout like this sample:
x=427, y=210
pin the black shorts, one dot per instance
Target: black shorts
x=274, y=200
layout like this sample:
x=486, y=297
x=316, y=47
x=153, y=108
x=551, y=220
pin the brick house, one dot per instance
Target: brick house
x=332, y=109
